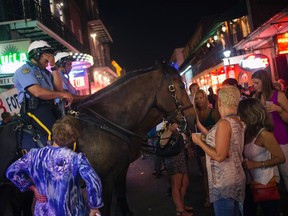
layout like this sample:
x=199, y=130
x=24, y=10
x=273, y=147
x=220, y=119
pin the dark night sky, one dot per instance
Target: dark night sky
x=144, y=31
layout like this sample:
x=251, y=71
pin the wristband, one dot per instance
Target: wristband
x=262, y=165
x=54, y=68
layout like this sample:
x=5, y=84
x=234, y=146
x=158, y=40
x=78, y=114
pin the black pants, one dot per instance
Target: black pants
x=47, y=114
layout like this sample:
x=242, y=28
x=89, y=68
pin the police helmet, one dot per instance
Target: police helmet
x=37, y=48
x=62, y=57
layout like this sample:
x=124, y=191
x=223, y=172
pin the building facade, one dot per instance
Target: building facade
x=67, y=25
x=246, y=34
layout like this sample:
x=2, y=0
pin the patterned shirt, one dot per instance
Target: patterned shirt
x=227, y=178
x=56, y=172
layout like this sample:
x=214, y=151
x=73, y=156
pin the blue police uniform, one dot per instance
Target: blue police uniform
x=24, y=77
x=67, y=85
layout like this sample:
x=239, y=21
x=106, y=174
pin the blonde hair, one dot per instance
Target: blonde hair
x=229, y=96
x=205, y=96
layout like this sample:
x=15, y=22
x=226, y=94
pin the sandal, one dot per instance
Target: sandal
x=183, y=213
x=189, y=208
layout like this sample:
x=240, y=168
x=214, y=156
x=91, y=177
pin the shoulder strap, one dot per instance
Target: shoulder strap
x=259, y=132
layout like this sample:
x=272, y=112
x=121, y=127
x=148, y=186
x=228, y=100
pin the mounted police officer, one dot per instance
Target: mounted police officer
x=64, y=63
x=37, y=90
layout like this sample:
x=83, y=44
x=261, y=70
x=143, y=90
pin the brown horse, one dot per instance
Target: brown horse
x=117, y=118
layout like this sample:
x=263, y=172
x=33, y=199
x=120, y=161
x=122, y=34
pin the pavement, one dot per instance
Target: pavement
x=147, y=195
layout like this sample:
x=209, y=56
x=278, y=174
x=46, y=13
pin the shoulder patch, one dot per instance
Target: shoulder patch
x=25, y=70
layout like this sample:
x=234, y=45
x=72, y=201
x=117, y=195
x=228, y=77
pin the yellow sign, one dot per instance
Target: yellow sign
x=117, y=67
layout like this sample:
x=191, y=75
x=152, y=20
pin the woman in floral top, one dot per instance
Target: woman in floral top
x=54, y=172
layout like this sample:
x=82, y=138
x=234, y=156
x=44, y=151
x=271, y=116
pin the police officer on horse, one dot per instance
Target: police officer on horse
x=37, y=90
x=64, y=63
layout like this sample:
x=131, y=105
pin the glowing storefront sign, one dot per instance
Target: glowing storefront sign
x=282, y=43
x=254, y=61
x=13, y=58
x=78, y=79
x=13, y=55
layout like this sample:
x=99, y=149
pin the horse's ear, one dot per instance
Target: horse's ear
x=164, y=65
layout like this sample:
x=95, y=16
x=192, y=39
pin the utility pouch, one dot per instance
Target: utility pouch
x=33, y=103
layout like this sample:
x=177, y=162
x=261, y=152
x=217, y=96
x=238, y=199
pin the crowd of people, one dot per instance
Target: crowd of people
x=243, y=141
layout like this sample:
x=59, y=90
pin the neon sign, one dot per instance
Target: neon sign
x=282, y=43
x=254, y=61
x=13, y=58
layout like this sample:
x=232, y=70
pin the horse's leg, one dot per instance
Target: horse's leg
x=107, y=191
x=122, y=208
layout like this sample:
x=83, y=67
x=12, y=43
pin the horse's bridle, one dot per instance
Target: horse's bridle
x=179, y=108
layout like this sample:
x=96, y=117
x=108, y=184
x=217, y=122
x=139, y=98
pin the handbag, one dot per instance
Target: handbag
x=267, y=192
x=172, y=148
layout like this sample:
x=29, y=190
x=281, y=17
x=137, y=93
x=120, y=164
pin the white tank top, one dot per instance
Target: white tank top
x=258, y=153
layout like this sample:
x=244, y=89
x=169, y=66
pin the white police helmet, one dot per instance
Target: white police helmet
x=62, y=57
x=37, y=48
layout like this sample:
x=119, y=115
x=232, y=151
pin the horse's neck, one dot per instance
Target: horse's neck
x=129, y=105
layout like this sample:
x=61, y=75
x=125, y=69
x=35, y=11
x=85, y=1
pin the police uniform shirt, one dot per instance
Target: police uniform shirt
x=67, y=85
x=28, y=75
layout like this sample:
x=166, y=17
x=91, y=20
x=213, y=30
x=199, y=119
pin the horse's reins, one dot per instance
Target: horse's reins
x=106, y=124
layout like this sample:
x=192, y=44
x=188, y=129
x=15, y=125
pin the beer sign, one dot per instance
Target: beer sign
x=254, y=62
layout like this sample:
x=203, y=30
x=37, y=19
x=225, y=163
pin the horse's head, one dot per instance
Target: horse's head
x=172, y=99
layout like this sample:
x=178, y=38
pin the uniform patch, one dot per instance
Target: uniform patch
x=25, y=70
x=38, y=74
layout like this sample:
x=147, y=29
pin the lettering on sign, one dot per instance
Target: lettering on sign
x=9, y=101
x=6, y=81
x=254, y=61
x=13, y=58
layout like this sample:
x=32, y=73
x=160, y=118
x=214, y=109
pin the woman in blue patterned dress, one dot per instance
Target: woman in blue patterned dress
x=54, y=172
x=224, y=148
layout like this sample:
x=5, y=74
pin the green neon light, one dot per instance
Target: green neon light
x=13, y=58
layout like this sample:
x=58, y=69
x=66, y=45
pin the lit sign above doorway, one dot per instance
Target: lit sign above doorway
x=254, y=61
x=282, y=43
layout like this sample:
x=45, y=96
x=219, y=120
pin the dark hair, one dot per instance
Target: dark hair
x=5, y=115
x=230, y=81
x=267, y=84
x=193, y=84
x=66, y=130
x=254, y=114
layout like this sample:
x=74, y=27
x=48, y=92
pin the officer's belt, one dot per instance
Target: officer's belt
x=46, y=102
x=36, y=137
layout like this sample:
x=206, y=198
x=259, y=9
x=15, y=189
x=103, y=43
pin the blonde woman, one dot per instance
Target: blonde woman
x=224, y=147
x=207, y=117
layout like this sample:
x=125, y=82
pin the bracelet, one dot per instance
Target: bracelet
x=54, y=68
x=262, y=165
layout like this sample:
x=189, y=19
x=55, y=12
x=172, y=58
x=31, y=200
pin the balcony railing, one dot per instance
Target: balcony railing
x=29, y=10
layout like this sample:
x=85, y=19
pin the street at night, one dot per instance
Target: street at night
x=147, y=195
